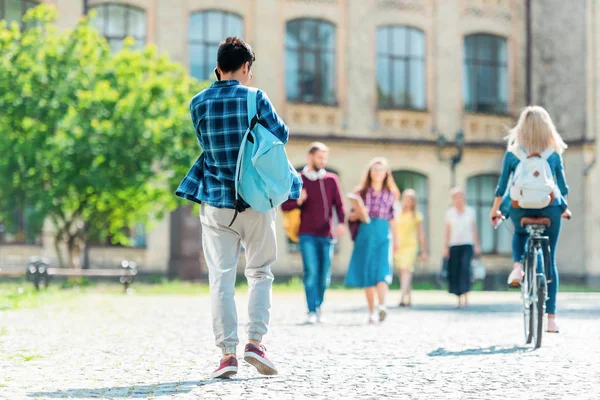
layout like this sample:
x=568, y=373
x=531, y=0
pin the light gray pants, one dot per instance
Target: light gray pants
x=255, y=231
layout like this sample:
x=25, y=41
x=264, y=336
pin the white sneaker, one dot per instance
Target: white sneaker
x=320, y=319
x=515, y=277
x=373, y=318
x=382, y=313
x=311, y=319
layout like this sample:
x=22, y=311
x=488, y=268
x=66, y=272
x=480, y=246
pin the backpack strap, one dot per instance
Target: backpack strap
x=252, y=121
x=251, y=107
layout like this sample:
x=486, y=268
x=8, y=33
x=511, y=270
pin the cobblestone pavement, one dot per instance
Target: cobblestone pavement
x=162, y=347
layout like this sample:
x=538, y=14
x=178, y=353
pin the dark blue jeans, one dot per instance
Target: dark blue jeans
x=520, y=240
x=317, y=253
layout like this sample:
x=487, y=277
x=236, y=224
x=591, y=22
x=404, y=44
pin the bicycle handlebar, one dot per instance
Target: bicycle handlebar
x=502, y=218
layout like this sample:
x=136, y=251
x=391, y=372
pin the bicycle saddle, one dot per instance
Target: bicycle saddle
x=535, y=221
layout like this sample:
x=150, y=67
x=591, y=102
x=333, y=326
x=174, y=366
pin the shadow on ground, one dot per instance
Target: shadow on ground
x=588, y=311
x=136, y=391
x=484, y=351
x=473, y=308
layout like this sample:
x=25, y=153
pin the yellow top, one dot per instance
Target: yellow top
x=407, y=229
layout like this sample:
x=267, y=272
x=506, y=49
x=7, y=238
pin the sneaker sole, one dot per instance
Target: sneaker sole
x=262, y=365
x=382, y=315
x=224, y=373
x=514, y=284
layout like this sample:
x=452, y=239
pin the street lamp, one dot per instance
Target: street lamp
x=454, y=159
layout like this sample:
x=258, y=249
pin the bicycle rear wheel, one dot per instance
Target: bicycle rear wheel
x=526, y=293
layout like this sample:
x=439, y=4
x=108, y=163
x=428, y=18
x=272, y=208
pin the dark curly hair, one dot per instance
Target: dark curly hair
x=233, y=53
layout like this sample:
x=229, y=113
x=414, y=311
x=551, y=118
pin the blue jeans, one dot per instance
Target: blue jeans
x=317, y=253
x=520, y=240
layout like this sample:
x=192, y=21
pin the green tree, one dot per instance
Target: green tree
x=91, y=140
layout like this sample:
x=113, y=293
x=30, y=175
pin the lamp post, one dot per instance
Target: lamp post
x=454, y=159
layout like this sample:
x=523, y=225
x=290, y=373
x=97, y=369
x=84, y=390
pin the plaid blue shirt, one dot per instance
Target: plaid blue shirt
x=220, y=118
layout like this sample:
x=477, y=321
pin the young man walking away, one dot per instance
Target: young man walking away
x=321, y=194
x=220, y=118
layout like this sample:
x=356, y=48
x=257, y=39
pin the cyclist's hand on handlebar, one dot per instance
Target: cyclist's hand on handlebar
x=495, y=217
x=567, y=214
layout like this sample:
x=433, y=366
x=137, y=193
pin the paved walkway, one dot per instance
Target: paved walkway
x=161, y=347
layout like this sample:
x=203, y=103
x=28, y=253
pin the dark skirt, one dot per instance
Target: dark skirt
x=459, y=269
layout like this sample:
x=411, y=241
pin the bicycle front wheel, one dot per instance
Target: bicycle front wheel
x=538, y=300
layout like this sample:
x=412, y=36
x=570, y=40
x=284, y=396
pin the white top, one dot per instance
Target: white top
x=461, y=226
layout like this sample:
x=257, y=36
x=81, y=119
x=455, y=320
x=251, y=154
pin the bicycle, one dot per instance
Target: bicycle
x=534, y=287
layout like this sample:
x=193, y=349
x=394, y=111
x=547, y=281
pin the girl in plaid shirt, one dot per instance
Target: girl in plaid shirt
x=370, y=265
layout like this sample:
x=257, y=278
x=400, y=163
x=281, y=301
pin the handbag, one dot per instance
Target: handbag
x=478, y=271
x=442, y=276
x=353, y=228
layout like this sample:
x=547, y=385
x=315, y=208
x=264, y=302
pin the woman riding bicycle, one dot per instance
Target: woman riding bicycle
x=534, y=135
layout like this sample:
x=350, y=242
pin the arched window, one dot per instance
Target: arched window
x=118, y=21
x=419, y=183
x=14, y=10
x=481, y=191
x=206, y=30
x=401, y=68
x=485, y=81
x=310, y=68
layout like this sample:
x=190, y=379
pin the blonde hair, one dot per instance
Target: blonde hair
x=535, y=132
x=388, y=182
x=410, y=193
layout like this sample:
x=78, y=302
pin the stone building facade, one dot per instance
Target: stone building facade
x=391, y=78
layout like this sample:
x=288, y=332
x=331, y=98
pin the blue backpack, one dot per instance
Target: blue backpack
x=263, y=174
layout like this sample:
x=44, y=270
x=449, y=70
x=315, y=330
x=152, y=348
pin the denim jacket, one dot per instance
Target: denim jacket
x=509, y=165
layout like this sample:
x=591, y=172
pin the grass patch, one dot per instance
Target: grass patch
x=23, y=295
x=31, y=357
x=3, y=331
x=570, y=288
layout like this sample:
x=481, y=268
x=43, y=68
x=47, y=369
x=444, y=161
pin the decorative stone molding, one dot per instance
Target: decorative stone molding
x=486, y=128
x=309, y=118
x=315, y=2
x=404, y=124
x=495, y=9
x=417, y=6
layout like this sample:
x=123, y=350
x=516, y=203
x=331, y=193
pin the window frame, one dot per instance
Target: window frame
x=496, y=64
x=482, y=205
x=206, y=43
x=406, y=58
x=128, y=7
x=301, y=50
x=24, y=8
